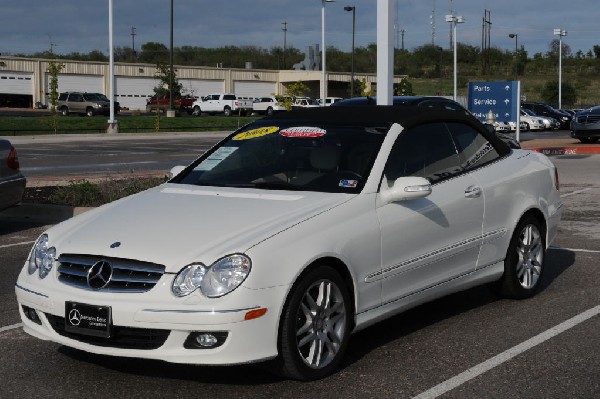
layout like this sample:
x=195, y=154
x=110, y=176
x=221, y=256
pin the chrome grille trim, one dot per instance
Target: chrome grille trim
x=128, y=276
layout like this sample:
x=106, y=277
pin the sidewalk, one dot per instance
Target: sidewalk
x=568, y=146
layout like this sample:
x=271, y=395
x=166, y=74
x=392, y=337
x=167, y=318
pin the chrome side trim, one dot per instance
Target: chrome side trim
x=186, y=311
x=429, y=258
x=30, y=291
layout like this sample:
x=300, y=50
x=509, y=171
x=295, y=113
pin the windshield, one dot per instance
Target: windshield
x=282, y=155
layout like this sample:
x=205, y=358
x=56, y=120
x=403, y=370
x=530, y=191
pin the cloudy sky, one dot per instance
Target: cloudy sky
x=28, y=26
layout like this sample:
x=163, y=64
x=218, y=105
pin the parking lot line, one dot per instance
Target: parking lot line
x=505, y=356
x=16, y=244
x=11, y=327
x=576, y=192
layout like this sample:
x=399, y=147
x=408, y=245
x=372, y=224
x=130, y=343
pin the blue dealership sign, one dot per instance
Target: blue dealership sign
x=499, y=97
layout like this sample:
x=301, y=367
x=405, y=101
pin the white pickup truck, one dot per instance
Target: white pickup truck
x=222, y=103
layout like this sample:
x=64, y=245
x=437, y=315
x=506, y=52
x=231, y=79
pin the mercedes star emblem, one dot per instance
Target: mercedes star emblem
x=99, y=275
x=74, y=317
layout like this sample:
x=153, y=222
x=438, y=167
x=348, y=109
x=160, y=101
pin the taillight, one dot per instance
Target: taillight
x=13, y=159
x=556, y=181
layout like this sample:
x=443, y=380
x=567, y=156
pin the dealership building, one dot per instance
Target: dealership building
x=24, y=82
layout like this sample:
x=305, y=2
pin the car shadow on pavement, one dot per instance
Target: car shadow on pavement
x=453, y=306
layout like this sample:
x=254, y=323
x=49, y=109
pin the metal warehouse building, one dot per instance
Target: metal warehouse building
x=24, y=81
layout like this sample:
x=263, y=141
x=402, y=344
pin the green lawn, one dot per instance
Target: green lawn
x=73, y=124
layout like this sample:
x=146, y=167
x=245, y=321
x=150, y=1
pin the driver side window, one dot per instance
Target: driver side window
x=426, y=151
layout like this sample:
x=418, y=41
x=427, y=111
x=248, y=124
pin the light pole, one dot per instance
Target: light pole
x=454, y=20
x=284, y=40
x=323, y=64
x=516, y=37
x=353, y=9
x=113, y=125
x=560, y=33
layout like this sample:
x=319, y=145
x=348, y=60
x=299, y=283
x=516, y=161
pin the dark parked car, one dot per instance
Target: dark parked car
x=542, y=109
x=585, y=126
x=12, y=182
x=433, y=102
x=420, y=101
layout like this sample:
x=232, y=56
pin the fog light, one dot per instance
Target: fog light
x=31, y=314
x=205, y=340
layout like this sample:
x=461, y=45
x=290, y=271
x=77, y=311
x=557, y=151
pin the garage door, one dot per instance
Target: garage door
x=201, y=88
x=132, y=93
x=85, y=83
x=254, y=89
x=16, y=83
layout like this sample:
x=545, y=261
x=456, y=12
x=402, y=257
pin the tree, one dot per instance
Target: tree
x=154, y=53
x=54, y=69
x=550, y=93
x=297, y=89
x=404, y=88
x=163, y=72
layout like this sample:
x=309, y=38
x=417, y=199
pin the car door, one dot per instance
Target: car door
x=76, y=103
x=430, y=240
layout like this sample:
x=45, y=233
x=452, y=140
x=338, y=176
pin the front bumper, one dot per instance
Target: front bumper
x=158, y=313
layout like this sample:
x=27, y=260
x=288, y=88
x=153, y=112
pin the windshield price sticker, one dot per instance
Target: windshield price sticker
x=215, y=158
x=254, y=133
x=303, y=132
x=348, y=183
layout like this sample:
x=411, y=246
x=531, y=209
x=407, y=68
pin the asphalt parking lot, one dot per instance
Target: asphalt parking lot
x=469, y=345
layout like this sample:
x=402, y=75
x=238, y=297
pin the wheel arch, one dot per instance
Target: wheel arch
x=341, y=268
x=539, y=216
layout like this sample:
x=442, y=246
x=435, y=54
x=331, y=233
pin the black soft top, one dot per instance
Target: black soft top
x=384, y=115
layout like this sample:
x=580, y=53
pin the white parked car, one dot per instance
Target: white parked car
x=292, y=233
x=533, y=121
x=267, y=106
x=330, y=100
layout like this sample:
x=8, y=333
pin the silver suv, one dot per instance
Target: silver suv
x=89, y=104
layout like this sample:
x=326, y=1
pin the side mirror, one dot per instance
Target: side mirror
x=406, y=188
x=175, y=171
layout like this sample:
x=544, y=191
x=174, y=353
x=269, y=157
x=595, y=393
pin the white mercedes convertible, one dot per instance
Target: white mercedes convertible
x=291, y=234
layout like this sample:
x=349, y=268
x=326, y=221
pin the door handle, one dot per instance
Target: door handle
x=473, y=192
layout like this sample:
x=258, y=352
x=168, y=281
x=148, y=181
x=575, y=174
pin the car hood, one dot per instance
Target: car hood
x=176, y=224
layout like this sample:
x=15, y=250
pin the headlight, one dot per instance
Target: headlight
x=42, y=257
x=188, y=279
x=220, y=278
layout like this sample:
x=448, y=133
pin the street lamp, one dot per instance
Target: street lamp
x=454, y=20
x=560, y=33
x=323, y=72
x=353, y=9
x=516, y=37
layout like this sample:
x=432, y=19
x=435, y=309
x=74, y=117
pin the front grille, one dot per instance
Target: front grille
x=127, y=275
x=588, y=119
x=121, y=337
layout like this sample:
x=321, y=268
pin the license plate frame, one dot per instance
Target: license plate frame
x=85, y=319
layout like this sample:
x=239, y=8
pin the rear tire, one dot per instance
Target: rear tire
x=315, y=326
x=524, y=263
x=227, y=111
x=64, y=111
x=270, y=111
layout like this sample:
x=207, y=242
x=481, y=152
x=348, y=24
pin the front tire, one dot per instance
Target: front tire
x=227, y=111
x=524, y=263
x=89, y=112
x=270, y=111
x=197, y=111
x=64, y=111
x=315, y=326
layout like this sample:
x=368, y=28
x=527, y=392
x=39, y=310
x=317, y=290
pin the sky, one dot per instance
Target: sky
x=66, y=26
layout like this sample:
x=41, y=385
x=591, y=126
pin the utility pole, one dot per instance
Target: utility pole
x=486, y=28
x=284, y=23
x=133, y=43
x=402, y=32
x=432, y=17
